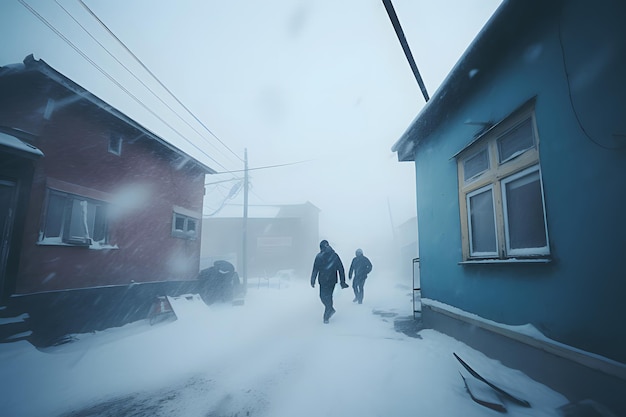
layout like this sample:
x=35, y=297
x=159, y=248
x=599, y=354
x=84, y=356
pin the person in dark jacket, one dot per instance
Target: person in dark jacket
x=219, y=282
x=326, y=267
x=360, y=267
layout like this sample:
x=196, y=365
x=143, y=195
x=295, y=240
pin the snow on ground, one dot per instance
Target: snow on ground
x=271, y=357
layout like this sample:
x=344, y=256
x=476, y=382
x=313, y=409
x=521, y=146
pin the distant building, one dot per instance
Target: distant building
x=98, y=214
x=279, y=238
x=520, y=160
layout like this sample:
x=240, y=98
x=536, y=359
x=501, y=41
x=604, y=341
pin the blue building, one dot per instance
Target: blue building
x=520, y=161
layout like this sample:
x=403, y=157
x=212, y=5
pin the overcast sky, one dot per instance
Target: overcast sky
x=325, y=82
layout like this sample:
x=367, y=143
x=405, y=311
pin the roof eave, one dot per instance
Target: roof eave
x=455, y=86
x=41, y=66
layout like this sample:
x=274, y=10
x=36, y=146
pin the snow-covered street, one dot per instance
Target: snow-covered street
x=271, y=357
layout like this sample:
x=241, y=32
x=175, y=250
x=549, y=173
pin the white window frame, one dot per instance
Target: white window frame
x=68, y=216
x=496, y=177
x=543, y=250
x=185, y=232
x=469, y=195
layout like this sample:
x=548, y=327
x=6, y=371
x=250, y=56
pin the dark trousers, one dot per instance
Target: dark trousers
x=326, y=295
x=357, y=284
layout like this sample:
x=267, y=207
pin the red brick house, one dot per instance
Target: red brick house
x=99, y=215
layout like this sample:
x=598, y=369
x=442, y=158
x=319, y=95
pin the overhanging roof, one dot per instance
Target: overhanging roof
x=512, y=19
x=31, y=64
x=14, y=145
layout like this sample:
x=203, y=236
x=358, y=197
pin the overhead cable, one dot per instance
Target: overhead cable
x=156, y=78
x=107, y=75
x=134, y=75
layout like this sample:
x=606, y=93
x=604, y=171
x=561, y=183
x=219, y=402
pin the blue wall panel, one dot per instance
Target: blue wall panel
x=577, y=298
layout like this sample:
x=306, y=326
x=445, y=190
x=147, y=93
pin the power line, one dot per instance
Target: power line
x=571, y=100
x=81, y=53
x=155, y=77
x=263, y=167
x=234, y=192
x=113, y=80
x=222, y=181
x=133, y=74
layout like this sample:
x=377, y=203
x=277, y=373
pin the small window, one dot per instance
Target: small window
x=501, y=193
x=184, y=227
x=74, y=220
x=115, y=144
x=516, y=141
x=475, y=165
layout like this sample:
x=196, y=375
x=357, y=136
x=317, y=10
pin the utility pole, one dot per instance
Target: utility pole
x=405, y=46
x=244, y=252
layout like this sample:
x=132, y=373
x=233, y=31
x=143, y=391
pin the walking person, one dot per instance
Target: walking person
x=360, y=267
x=326, y=267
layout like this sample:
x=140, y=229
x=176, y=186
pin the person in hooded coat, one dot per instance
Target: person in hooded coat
x=326, y=267
x=360, y=267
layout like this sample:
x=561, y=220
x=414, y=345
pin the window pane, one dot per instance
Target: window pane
x=516, y=141
x=78, y=221
x=179, y=223
x=191, y=225
x=54, y=216
x=99, y=226
x=475, y=164
x=115, y=144
x=90, y=217
x=525, y=217
x=482, y=223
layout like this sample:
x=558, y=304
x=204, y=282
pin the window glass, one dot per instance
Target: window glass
x=180, y=223
x=115, y=144
x=516, y=141
x=54, y=215
x=475, y=164
x=482, y=222
x=99, y=224
x=524, y=212
x=75, y=220
x=184, y=227
x=78, y=221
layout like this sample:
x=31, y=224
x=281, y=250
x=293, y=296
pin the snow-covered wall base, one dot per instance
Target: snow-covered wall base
x=55, y=314
x=576, y=381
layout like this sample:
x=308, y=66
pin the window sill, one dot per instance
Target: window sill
x=93, y=246
x=507, y=261
x=183, y=235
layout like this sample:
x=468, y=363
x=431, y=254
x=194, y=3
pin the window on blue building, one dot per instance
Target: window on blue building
x=501, y=193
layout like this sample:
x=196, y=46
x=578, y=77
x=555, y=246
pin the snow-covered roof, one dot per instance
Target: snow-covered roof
x=507, y=24
x=16, y=145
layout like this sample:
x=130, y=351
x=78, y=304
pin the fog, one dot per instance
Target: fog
x=312, y=95
x=324, y=86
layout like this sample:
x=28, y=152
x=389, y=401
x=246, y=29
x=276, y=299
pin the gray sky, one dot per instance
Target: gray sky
x=290, y=80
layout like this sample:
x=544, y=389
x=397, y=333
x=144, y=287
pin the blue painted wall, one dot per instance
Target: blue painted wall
x=578, y=298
